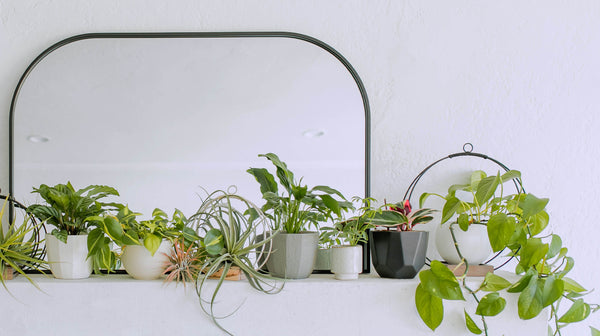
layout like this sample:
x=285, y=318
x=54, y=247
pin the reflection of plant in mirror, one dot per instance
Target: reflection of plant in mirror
x=230, y=224
x=18, y=248
x=514, y=222
x=352, y=230
x=297, y=207
x=68, y=210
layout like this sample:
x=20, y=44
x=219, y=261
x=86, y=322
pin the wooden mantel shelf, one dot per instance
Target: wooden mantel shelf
x=319, y=305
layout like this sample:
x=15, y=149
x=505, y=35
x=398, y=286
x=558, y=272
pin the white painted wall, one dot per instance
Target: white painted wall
x=519, y=79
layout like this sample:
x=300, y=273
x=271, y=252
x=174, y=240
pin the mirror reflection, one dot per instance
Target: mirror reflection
x=162, y=118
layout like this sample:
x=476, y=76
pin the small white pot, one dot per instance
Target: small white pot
x=474, y=244
x=69, y=261
x=346, y=262
x=140, y=264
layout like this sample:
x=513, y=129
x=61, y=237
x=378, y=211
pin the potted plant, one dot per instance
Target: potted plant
x=293, y=209
x=19, y=249
x=149, y=242
x=346, y=259
x=69, y=211
x=514, y=222
x=229, y=225
x=397, y=250
x=475, y=203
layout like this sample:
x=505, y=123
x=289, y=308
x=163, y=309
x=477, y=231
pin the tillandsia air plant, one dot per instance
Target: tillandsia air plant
x=516, y=223
x=230, y=225
x=185, y=262
x=19, y=248
x=294, y=207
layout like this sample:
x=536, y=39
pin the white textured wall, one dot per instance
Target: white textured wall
x=519, y=79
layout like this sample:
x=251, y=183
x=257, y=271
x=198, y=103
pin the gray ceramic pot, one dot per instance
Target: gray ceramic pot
x=293, y=255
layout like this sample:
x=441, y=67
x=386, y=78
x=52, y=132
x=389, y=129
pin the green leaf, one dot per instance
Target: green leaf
x=538, y=222
x=286, y=177
x=533, y=252
x=530, y=302
x=579, y=311
x=112, y=227
x=451, y=207
x=500, y=228
x=572, y=285
x=265, y=179
x=476, y=177
x=152, y=242
x=510, y=175
x=491, y=305
x=595, y=332
x=213, y=242
x=463, y=222
x=95, y=240
x=61, y=235
x=493, y=283
x=471, y=324
x=328, y=190
x=522, y=283
x=331, y=204
x=552, y=289
x=555, y=246
x=430, y=307
x=130, y=237
x=532, y=205
x=441, y=282
x=486, y=189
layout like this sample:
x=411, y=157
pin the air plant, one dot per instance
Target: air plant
x=184, y=264
x=230, y=225
x=18, y=252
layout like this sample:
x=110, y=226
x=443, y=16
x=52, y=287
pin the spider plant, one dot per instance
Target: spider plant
x=230, y=224
x=17, y=251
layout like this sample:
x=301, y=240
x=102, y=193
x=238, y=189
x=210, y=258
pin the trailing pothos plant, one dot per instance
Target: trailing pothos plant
x=515, y=223
x=294, y=207
x=230, y=224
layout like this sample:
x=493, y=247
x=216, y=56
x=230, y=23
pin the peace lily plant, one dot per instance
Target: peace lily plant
x=515, y=223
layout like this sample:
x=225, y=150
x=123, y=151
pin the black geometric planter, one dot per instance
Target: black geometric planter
x=398, y=254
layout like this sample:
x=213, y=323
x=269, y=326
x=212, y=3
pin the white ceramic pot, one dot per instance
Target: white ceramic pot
x=346, y=262
x=140, y=264
x=69, y=261
x=474, y=244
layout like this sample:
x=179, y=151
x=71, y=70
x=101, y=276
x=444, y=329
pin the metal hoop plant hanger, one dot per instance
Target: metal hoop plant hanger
x=38, y=229
x=467, y=151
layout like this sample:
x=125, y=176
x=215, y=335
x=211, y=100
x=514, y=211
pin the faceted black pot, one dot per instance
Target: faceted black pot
x=398, y=254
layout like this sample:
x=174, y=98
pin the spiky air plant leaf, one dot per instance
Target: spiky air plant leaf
x=184, y=263
x=239, y=223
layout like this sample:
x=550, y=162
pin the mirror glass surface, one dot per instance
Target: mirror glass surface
x=161, y=119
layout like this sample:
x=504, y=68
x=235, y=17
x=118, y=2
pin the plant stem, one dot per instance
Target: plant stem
x=464, y=277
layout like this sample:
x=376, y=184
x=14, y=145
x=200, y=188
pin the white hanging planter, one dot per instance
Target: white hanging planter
x=474, y=244
x=141, y=265
x=69, y=261
x=346, y=262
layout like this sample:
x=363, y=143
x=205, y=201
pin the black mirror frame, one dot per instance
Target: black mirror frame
x=306, y=38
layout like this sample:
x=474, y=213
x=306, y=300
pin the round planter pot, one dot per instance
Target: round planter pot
x=397, y=254
x=293, y=255
x=346, y=262
x=141, y=265
x=323, y=261
x=474, y=244
x=69, y=261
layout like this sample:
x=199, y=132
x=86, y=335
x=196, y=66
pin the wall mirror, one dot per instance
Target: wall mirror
x=160, y=116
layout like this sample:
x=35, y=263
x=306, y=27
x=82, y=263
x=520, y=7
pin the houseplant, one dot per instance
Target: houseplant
x=472, y=205
x=293, y=209
x=18, y=249
x=229, y=225
x=346, y=259
x=397, y=250
x=69, y=210
x=516, y=223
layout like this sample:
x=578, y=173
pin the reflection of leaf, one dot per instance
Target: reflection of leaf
x=430, y=307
